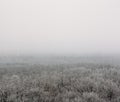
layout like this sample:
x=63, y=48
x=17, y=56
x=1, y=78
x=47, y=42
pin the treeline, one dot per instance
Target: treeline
x=61, y=83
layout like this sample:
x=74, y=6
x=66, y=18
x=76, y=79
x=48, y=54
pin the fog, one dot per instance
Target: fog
x=59, y=27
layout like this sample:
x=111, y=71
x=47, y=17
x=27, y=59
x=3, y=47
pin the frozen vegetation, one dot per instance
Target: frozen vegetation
x=59, y=79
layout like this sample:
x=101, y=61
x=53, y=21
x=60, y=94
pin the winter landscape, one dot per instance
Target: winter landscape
x=60, y=79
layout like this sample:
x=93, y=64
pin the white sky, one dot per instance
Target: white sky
x=59, y=26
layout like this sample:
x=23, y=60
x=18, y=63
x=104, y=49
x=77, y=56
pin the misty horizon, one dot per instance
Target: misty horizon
x=62, y=27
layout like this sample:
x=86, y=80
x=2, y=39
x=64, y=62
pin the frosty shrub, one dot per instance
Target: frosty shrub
x=77, y=82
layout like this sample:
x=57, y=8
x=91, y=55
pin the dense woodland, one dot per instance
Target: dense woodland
x=59, y=79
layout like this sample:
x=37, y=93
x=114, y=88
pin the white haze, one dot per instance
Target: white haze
x=59, y=26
